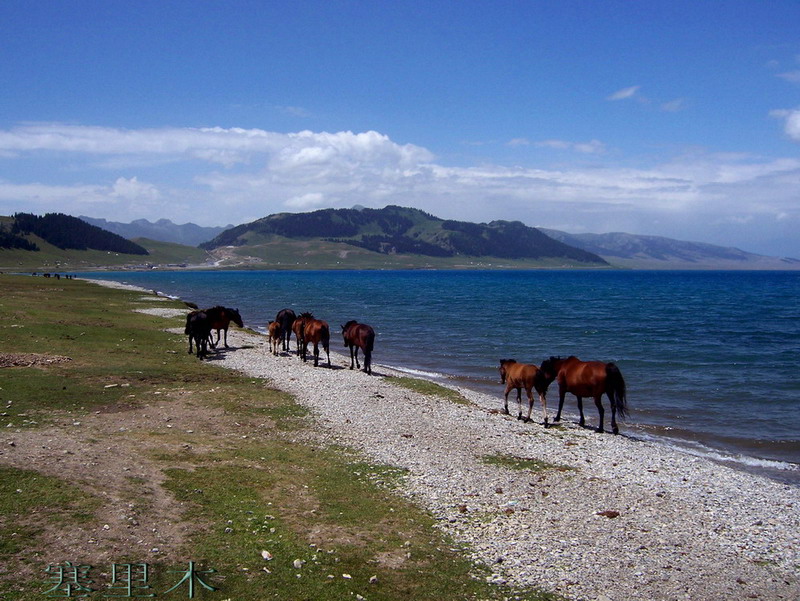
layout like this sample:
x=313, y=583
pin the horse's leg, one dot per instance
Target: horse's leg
x=316, y=354
x=519, y=402
x=191, y=336
x=226, y=337
x=561, y=395
x=582, y=422
x=543, y=401
x=530, y=404
x=358, y=365
x=327, y=347
x=598, y=400
x=368, y=362
x=614, y=427
x=505, y=407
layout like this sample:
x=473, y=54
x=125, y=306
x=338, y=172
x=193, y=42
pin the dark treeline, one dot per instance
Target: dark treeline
x=70, y=233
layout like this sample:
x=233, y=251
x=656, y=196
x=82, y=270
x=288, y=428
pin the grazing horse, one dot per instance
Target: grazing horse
x=286, y=318
x=588, y=379
x=518, y=376
x=275, y=334
x=359, y=336
x=198, y=329
x=221, y=318
x=316, y=332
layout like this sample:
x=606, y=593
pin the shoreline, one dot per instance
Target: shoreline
x=620, y=519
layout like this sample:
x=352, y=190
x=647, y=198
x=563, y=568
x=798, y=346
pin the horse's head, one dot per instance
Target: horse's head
x=549, y=368
x=504, y=363
x=235, y=317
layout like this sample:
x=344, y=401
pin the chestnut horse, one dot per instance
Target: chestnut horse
x=221, y=318
x=359, y=336
x=588, y=379
x=518, y=376
x=275, y=334
x=285, y=318
x=316, y=332
x=297, y=327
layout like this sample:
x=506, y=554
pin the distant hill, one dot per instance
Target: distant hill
x=397, y=230
x=63, y=232
x=656, y=252
x=162, y=230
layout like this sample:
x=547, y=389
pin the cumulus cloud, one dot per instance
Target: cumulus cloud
x=237, y=175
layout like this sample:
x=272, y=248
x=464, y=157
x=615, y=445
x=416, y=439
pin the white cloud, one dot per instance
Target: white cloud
x=790, y=76
x=624, y=93
x=590, y=147
x=133, y=189
x=673, y=106
x=792, y=122
x=267, y=172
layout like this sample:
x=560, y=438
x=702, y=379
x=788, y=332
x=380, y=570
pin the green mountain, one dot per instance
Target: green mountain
x=397, y=230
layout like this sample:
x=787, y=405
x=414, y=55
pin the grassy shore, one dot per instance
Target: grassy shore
x=117, y=447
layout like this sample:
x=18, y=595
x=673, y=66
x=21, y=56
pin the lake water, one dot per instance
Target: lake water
x=711, y=359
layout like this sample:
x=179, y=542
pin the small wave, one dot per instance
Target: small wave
x=698, y=449
x=420, y=373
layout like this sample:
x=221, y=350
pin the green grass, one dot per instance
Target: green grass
x=246, y=483
x=431, y=389
x=523, y=464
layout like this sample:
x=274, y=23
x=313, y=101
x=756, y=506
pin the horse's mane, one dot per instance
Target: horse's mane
x=349, y=323
x=307, y=315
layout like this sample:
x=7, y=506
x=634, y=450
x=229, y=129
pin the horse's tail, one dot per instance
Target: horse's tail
x=615, y=385
x=370, y=341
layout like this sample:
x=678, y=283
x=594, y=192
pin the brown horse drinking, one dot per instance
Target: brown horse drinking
x=588, y=379
x=221, y=318
x=316, y=332
x=359, y=336
x=518, y=376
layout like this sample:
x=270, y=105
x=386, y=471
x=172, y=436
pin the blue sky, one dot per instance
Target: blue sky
x=674, y=118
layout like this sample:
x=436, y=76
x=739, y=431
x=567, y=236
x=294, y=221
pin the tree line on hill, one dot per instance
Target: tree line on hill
x=63, y=232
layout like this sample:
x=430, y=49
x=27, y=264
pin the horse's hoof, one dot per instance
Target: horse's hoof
x=600, y=430
x=616, y=430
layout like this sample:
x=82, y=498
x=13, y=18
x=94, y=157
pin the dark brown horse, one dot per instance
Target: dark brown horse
x=221, y=318
x=588, y=379
x=521, y=375
x=198, y=329
x=316, y=332
x=359, y=336
x=286, y=318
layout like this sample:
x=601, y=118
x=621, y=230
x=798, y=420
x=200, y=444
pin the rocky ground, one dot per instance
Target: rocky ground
x=618, y=519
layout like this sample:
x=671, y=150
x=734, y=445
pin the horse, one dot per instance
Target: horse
x=298, y=328
x=198, y=329
x=286, y=318
x=221, y=318
x=316, y=332
x=359, y=336
x=588, y=379
x=275, y=334
x=518, y=376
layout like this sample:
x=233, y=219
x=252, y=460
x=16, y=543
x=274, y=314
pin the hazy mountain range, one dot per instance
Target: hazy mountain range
x=397, y=231
x=162, y=230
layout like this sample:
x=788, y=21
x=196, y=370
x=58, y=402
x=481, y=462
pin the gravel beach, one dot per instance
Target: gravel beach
x=612, y=518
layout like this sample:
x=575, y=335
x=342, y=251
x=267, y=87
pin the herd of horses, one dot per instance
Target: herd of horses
x=583, y=379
